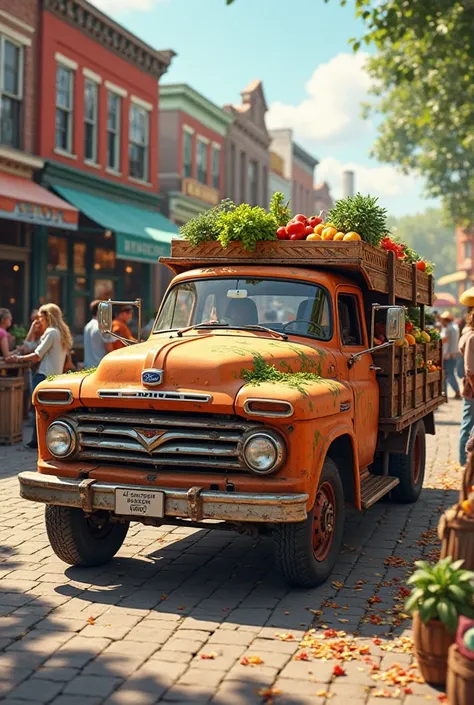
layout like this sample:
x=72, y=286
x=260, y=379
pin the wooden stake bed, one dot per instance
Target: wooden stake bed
x=379, y=269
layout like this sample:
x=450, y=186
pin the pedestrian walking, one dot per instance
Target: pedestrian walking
x=96, y=344
x=450, y=338
x=50, y=352
x=466, y=348
x=120, y=326
x=5, y=323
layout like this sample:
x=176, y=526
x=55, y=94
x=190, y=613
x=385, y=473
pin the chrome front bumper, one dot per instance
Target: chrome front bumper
x=195, y=503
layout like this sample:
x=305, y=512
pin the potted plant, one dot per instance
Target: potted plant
x=441, y=593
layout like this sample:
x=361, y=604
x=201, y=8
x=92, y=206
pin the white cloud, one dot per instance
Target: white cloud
x=117, y=7
x=331, y=110
x=381, y=180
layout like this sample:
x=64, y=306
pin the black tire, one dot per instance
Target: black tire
x=410, y=468
x=295, y=550
x=77, y=540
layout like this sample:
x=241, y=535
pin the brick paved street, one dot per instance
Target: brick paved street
x=136, y=631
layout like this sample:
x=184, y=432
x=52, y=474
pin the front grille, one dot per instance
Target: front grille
x=187, y=441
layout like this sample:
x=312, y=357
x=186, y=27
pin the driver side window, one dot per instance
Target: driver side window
x=349, y=320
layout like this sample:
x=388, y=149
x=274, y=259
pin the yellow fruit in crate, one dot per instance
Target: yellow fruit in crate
x=425, y=336
x=319, y=228
x=339, y=236
x=352, y=237
x=400, y=343
x=328, y=233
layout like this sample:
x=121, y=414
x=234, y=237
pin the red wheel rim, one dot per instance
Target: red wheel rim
x=324, y=515
x=416, y=459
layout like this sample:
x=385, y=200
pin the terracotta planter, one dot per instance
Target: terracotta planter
x=432, y=641
x=460, y=681
x=456, y=529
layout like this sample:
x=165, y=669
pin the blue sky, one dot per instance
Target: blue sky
x=312, y=80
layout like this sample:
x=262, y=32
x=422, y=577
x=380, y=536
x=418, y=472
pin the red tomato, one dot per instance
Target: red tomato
x=301, y=218
x=282, y=234
x=297, y=228
x=421, y=265
x=314, y=221
x=299, y=236
x=309, y=230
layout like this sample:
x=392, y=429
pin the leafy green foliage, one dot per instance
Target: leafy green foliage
x=19, y=333
x=280, y=210
x=263, y=372
x=205, y=226
x=441, y=591
x=361, y=214
x=427, y=234
x=245, y=224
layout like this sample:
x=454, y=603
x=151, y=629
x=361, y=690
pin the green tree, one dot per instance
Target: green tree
x=429, y=236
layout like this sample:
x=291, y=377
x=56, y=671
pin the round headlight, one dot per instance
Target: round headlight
x=263, y=452
x=60, y=439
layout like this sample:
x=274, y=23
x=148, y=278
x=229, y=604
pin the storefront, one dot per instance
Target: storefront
x=24, y=207
x=193, y=199
x=113, y=254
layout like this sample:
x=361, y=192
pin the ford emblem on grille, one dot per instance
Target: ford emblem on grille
x=152, y=377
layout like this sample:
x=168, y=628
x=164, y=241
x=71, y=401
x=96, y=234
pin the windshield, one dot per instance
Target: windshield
x=293, y=307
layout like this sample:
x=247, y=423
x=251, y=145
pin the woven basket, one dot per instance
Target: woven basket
x=460, y=680
x=432, y=641
x=456, y=529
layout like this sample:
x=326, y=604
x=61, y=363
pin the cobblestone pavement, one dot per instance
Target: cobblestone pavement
x=177, y=615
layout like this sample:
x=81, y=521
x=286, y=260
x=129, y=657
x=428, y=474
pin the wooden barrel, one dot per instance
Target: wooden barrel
x=11, y=409
x=460, y=680
x=456, y=528
x=432, y=641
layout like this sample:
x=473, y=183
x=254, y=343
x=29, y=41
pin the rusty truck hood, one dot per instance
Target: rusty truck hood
x=205, y=368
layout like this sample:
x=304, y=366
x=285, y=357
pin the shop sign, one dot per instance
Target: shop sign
x=40, y=215
x=203, y=193
x=140, y=249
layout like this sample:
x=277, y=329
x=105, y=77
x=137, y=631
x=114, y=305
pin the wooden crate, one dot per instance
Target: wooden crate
x=378, y=270
x=391, y=364
x=409, y=392
x=11, y=409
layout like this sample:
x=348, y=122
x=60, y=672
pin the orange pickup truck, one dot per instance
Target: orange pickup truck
x=259, y=401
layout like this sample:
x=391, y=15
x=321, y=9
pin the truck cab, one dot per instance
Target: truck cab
x=256, y=402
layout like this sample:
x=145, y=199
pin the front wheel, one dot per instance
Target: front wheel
x=410, y=468
x=305, y=552
x=83, y=540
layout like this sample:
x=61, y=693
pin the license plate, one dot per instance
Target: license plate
x=144, y=503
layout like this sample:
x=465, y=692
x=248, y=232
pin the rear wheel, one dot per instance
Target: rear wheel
x=306, y=552
x=410, y=468
x=78, y=539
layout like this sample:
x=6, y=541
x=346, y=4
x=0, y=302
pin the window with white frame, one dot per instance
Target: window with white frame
x=139, y=136
x=91, y=111
x=201, y=158
x=11, y=92
x=187, y=154
x=216, y=166
x=64, y=107
x=114, y=106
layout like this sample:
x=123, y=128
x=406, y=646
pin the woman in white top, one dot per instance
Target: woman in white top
x=51, y=350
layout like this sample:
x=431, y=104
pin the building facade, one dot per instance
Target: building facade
x=298, y=168
x=23, y=204
x=276, y=177
x=247, y=149
x=98, y=136
x=191, y=147
x=323, y=201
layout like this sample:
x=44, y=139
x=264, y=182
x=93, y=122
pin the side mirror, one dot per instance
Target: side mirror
x=104, y=316
x=395, y=323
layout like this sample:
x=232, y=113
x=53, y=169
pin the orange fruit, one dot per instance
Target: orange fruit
x=319, y=228
x=352, y=237
x=330, y=225
x=328, y=233
x=314, y=236
x=410, y=339
x=339, y=236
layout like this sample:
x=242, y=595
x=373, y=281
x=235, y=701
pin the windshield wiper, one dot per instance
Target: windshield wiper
x=211, y=324
x=283, y=336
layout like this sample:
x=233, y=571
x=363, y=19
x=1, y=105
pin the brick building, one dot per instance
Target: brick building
x=246, y=151
x=323, y=200
x=298, y=168
x=23, y=204
x=98, y=135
